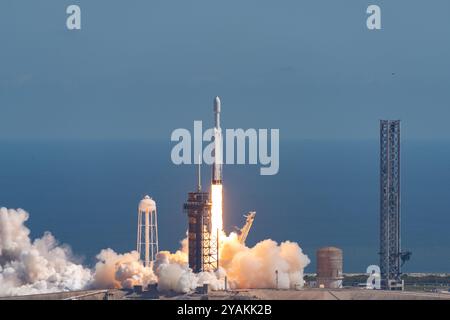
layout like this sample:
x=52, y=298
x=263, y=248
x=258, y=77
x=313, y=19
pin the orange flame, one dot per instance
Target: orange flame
x=216, y=209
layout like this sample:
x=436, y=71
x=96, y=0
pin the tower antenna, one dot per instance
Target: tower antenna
x=199, y=174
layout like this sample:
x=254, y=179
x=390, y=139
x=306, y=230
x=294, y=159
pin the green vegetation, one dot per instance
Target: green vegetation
x=422, y=282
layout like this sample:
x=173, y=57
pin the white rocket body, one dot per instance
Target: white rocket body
x=218, y=142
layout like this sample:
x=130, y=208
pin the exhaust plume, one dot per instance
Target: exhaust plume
x=40, y=266
x=115, y=270
x=174, y=274
x=257, y=267
x=43, y=265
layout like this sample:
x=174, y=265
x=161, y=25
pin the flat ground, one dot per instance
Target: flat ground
x=248, y=294
x=338, y=294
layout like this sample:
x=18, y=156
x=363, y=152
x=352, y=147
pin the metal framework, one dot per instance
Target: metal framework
x=210, y=248
x=203, y=246
x=243, y=232
x=147, y=231
x=390, y=246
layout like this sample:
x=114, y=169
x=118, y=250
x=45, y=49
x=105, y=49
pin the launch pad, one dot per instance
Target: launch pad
x=244, y=294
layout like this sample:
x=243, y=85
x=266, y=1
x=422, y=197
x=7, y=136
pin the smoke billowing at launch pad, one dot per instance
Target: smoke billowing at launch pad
x=208, y=256
x=43, y=265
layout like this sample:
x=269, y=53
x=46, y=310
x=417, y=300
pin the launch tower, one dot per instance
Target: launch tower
x=203, y=250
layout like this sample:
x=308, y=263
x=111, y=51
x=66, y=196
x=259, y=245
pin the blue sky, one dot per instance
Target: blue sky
x=139, y=69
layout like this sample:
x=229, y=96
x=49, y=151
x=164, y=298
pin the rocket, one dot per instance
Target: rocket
x=217, y=166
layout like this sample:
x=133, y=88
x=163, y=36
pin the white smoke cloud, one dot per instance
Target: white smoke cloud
x=42, y=265
x=174, y=274
x=257, y=267
x=28, y=267
x=244, y=267
x=115, y=270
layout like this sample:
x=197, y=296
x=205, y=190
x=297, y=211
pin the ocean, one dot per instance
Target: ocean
x=326, y=194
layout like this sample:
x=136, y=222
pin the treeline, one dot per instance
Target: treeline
x=358, y=279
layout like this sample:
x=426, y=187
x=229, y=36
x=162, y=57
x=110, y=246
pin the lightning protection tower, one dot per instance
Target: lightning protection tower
x=147, y=232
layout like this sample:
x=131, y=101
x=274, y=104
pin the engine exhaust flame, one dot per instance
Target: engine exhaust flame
x=216, y=209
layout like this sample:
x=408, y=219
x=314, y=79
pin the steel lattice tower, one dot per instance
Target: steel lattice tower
x=390, y=250
x=202, y=244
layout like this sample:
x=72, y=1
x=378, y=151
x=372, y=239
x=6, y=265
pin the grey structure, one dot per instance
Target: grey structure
x=390, y=250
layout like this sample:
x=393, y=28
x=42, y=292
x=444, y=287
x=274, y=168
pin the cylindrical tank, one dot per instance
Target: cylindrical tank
x=329, y=267
x=147, y=204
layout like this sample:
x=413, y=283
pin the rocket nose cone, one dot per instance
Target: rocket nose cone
x=217, y=104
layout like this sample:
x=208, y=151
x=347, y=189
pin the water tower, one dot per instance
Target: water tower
x=147, y=232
